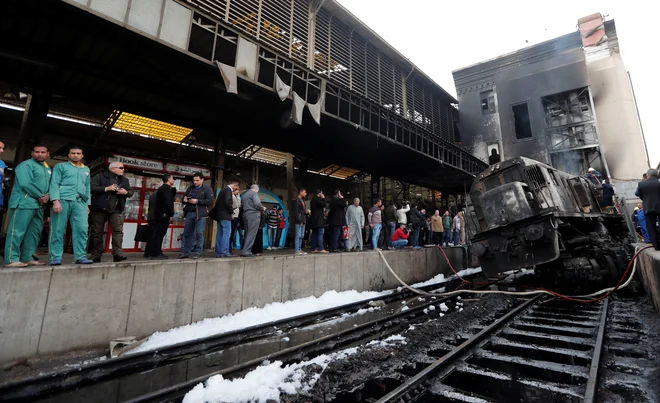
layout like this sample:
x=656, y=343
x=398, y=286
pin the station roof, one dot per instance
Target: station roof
x=381, y=44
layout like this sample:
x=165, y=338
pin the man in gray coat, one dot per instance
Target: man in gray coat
x=252, y=209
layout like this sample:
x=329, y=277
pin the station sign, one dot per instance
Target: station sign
x=155, y=165
x=136, y=162
x=187, y=170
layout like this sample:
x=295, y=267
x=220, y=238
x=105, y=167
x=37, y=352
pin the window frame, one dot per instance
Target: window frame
x=517, y=139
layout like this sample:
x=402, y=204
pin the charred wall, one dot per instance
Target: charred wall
x=527, y=84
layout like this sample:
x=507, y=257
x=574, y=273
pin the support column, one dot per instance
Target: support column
x=32, y=125
x=375, y=189
x=217, y=179
x=406, y=190
x=290, y=190
x=303, y=177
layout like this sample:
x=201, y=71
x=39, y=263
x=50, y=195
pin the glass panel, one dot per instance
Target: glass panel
x=134, y=180
x=154, y=182
x=178, y=210
x=132, y=208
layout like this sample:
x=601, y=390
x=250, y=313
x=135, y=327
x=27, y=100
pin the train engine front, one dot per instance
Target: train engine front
x=531, y=215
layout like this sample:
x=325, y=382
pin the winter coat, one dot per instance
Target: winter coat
x=649, y=192
x=316, y=218
x=298, y=211
x=161, y=203
x=251, y=203
x=224, y=205
x=401, y=215
x=390, y=214
x=204, y=198
x=436, y=224
x=109, y=202
x=337, y=214
x=446, y=221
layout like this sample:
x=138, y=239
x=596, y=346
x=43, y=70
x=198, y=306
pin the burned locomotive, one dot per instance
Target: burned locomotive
x=533, y=216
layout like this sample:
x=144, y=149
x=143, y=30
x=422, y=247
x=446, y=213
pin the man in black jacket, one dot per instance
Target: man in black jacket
x=222, y=213
x=336, y=219
x=317, y=223
x=109, y=190
x=389, y=222
x=161, y=211
x=299, y=219
x=649, y=192
x=197, y=202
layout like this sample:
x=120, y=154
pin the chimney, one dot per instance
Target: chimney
x=594, y=40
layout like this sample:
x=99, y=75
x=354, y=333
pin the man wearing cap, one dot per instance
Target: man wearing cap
x=594, y=176
x=71, y=196
x=26, y=209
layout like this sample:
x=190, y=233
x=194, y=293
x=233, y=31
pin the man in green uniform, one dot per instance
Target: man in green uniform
x=26, y=209
x=70, y=193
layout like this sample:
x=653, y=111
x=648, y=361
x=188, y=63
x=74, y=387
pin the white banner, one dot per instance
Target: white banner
x=136, y=162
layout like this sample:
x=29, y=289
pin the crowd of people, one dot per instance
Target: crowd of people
x=645, y=216
x=67, y=195
x=334, y=225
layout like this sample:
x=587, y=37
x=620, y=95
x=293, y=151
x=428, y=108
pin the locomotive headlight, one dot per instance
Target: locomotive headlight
x=533, y=232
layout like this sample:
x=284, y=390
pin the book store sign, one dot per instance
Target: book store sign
x=186, y=170
x=137, y=162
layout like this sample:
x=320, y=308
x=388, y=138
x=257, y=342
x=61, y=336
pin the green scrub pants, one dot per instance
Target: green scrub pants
x=25, y=226
x=77, y=212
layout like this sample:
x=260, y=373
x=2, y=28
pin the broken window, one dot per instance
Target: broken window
x=487, y=102
x=522, y=123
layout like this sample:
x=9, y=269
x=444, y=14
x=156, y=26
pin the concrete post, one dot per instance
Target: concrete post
x=290, y=191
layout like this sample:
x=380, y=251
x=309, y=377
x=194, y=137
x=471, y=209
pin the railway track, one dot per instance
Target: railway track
x=146, y=376
x=543, y=350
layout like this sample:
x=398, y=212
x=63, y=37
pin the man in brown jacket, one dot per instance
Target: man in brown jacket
x=437, y=228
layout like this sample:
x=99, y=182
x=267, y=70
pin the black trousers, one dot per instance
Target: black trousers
x=651, y=219
x=158, y=231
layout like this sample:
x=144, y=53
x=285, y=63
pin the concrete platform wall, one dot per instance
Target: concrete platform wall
x=648, y=267
x=52, y=310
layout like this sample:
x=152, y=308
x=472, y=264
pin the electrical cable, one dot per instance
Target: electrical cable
x=575, y=298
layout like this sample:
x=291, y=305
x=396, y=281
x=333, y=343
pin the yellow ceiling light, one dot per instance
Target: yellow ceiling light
x=339, y=172
x=151, y=127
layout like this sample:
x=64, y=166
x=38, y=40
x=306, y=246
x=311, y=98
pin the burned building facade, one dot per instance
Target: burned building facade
x=567, y=102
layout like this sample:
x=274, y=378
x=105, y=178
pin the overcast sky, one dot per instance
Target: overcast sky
x=440, y=36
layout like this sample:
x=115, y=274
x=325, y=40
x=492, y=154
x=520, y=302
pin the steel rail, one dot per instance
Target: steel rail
x=323, y=345
x=441, y=363
x=590, y=391
x=76, y=377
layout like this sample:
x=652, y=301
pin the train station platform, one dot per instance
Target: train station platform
x=648, y=266
x=51, y=310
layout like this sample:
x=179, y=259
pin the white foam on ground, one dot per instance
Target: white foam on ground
x=255, y=316
x=440, y=278
x=264, y=383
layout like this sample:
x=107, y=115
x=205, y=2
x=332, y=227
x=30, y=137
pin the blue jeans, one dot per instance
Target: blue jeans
x=317, y=239
x=193, y=234
x=399, y=243
x=300, y=233
x=235, y=229
x=415, y=235
x=456, y=237
x=272, y=238
x=447, y=236
x=222, y=238
x=375, y=233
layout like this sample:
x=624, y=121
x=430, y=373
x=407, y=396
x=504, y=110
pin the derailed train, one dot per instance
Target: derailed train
x=533, y=216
